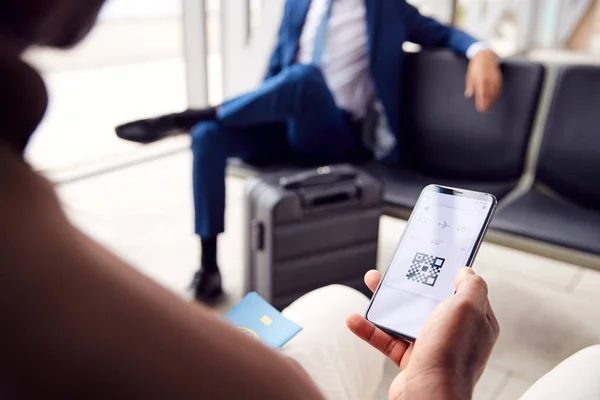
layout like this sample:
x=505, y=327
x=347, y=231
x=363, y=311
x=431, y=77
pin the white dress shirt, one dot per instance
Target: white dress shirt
x=345, y=63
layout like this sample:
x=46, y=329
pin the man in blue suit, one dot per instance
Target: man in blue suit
x=335, y=61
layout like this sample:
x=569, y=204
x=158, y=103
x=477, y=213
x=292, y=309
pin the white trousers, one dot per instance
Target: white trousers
x=343, y=366
x=576, y=378
x=346, y=368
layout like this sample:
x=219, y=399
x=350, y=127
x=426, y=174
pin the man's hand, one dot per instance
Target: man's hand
x=484, y=80
x=453, y=347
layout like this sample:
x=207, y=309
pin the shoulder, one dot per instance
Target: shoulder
x=17, y=176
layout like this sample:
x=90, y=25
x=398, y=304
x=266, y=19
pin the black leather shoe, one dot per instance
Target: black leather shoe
x=206, y=286
x=149, y=130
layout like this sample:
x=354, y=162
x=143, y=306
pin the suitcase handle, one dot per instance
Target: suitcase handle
x=334, y=196
x=320, y=176
x=258, y=235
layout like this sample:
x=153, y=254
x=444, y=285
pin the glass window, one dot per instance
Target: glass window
x=441, y=10
x=523, y=26
x=256, y=9
x=214, y=56
x=499, y=23
x=130, y=67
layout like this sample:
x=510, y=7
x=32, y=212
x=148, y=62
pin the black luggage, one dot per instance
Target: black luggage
x=311, y=228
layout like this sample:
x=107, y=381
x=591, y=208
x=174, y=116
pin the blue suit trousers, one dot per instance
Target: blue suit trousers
x=290, y=117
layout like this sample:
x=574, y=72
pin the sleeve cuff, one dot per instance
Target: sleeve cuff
x=476, y=48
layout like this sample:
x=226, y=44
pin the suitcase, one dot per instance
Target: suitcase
x=310, y=228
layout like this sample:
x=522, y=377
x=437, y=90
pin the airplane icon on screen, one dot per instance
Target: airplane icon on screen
x=443, y=225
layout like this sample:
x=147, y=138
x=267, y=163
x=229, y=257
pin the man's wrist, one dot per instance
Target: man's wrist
x=475, y=48
x=433, y=386
x=479, y=48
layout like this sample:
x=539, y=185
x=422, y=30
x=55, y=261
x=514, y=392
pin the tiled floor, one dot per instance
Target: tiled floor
x=547, y=310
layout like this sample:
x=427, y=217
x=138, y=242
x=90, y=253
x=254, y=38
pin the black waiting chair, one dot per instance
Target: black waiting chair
x=445, y=140
x=563, y=207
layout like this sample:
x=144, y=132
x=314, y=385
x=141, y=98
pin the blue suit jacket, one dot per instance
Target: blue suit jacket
x=390, y=23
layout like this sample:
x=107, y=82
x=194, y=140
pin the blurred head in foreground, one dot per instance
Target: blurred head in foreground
x=25, y=23
x=55, y=23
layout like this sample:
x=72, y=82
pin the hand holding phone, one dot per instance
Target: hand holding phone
x=443, y=235
x=453, y=346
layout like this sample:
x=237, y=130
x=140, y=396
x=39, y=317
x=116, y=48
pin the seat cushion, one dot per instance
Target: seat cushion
x=538, y=216
x=238, y=167
x=402, y=186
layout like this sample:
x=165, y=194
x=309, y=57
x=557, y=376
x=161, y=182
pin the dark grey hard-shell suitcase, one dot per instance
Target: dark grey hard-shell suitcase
x=310, y=228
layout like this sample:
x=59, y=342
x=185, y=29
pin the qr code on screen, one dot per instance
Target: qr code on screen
x=425, y=269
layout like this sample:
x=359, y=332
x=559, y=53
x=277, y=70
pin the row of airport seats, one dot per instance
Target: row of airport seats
x=537, y=150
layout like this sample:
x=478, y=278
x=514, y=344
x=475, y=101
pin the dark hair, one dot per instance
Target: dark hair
x=15, y=21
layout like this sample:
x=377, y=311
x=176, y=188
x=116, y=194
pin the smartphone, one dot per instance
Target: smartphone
x=443, y=235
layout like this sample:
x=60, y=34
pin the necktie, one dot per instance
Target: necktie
x=321, y=36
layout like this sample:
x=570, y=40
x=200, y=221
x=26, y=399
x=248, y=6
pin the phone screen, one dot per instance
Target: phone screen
x=442, y=236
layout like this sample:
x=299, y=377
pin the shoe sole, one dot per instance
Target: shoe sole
x=151, y=140
x=140, y=141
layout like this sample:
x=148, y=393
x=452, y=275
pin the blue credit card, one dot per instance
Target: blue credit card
x=255, y=317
